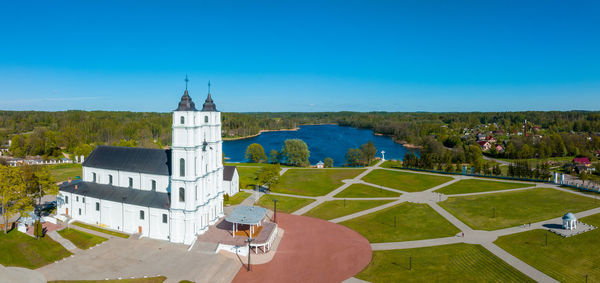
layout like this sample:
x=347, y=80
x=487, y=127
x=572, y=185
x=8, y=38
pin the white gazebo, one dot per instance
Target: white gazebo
x=246, y=215
x=569, y=221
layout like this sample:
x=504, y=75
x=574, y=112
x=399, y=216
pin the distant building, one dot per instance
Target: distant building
x=485, y=145
x=499, y=148
x=231, y=180
x=582, y=161
x=320, y=164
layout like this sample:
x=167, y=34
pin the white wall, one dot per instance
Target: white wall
x=141, y=181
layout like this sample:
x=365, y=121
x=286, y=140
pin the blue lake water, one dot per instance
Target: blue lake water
x=322, y=140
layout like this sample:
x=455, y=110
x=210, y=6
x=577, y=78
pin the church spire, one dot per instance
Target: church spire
x=209, y=105
x=186, y=103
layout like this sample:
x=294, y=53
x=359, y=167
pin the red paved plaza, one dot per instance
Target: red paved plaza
x=312, y=250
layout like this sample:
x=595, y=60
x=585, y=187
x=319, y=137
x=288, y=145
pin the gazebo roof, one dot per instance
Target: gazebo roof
x=569, y=216
x=248, y=215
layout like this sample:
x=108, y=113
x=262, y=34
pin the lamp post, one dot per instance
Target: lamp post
x=249, y=252
x=275, y=210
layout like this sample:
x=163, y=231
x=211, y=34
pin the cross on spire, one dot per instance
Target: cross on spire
x=208, y=86
x=186, y=81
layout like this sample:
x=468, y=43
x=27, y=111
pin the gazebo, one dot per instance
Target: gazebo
x=569, y=221
x=246, y=215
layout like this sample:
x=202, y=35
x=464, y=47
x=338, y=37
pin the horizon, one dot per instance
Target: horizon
x=337, y=56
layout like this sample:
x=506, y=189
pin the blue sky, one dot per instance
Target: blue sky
x=301, y=55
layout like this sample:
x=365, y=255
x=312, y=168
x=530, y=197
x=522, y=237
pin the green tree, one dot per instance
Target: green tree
x=368, y=152
x=13, y=193
x=353, y=157
x=295, y=152
x=274, y=156
x=255, y=153
x=328, y=162
x=41, y=183
x=268, y=175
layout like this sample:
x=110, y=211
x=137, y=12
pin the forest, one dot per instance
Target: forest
x=449, y=136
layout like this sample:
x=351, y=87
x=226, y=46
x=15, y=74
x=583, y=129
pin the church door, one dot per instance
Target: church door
x=67, y=211
x=140, y=229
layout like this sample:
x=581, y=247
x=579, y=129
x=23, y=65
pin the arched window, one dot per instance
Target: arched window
x=205, y=119
x=182, y=120
x=181, y=194
x=153, y=185
x=94, y=177
x=182, y=167
x=110, y=180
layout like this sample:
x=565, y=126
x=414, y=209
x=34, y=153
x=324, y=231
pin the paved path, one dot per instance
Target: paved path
x=518, y=264
x=494, y=192
x=64, y=242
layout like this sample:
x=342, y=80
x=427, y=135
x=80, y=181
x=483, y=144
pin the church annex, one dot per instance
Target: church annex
x=169, y=194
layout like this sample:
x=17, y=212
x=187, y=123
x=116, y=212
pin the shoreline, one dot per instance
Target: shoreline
x=280, y=130
x=403, y=143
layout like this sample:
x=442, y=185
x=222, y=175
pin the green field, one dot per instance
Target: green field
x=476, y=185
x=62, y=172
x=514, y=208
x=338, y=208
x=391, y=164
x=284, y=204
x=408, y=182
x=564, y=259
x=247, y=177
x=101, y=230
x=448, y=263
x=313, y=182
x=18, y=249
x=414, y=221
x=81, y=239
x=365, y=191
x=237, y=198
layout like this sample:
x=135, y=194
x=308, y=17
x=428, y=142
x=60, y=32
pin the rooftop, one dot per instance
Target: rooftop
x=248, y=215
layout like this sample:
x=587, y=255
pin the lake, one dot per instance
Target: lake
x=322, y=140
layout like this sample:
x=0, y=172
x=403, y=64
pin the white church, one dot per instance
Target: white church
x=169, y=194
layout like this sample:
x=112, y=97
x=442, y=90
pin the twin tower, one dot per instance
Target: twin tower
x=197, y=169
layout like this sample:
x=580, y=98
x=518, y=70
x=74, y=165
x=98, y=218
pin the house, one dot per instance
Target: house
x=320, y=164
x=168, y=194
x=499, y=148
x=231, y=180
x=582, y=161
x=485, y=145
x=481, y=137
x=491, y=139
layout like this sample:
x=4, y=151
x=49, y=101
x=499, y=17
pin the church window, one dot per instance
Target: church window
x=182, y=120
x=196, y=193
x=164, y=218
x=97, y=206
x=181, y=194
x=94, y=177
x=130, y=182
x=153, y=185
x=76, y=198
x=66, y=199
x=182, y=167
x=205, y=119
x=80, y=211
x=141, y=215
x=83, y=199
x=110, y=180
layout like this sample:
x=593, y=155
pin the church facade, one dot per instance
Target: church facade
x=169, y=194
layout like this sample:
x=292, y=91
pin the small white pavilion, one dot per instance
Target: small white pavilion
x=569, y=221
x=246, y=215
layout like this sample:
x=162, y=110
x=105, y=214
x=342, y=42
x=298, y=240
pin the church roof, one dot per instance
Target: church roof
x=117, y=194
x=131, y=159
x=186, y=103
x=228, y=172
x=209, y=105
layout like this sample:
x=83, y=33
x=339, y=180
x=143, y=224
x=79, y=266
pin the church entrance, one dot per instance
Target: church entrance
x=140, y=229
x=67, y=211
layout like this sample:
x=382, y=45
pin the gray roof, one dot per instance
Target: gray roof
x=569, y=216
x=248, y=215
x=111, y=193
x=228, y=172
x=132, y=159
x=186, y=103
x=209, y=105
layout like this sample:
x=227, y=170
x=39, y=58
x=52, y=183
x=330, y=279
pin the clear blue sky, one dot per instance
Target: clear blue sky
x=301, y=55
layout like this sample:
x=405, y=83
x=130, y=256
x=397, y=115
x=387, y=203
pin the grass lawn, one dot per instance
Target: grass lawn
x=514, y=208
x=391, y=164
x=564, y=259
x=237, y=199
x=247, y=175
x=365, y=191
x=448, y=263
x=313, y=182
x=157, y=279
x=336, y=208
x=81, y=239
x=63, y=172
x=408, y=182
x=415, y=221
x=284, y=204
x=101, y=230
x=18, y=249
x=475, y=186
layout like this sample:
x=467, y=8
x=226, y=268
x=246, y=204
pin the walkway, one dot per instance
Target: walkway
x=64, y=242
x=313, y=250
